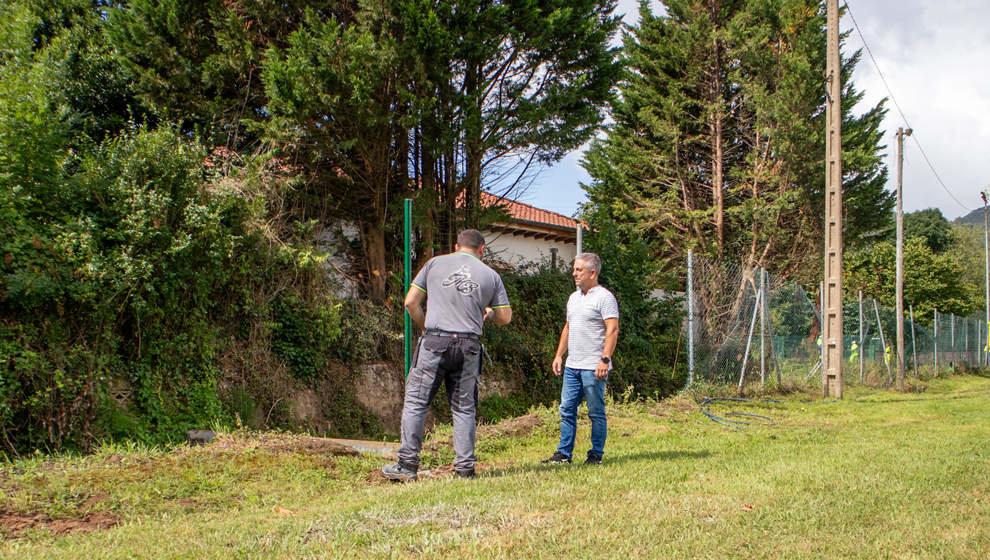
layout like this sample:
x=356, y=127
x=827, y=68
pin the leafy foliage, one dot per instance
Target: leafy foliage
x=720, y=108
x=931, y=226
x=930, y=280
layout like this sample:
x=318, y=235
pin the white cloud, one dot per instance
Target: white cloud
x=933, y=55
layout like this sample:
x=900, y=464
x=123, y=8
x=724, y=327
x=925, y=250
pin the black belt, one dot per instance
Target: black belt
x=449, y=334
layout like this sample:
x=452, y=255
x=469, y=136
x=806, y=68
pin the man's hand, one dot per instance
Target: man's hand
x=601, y=372
x=489, y=314
x=558, y=366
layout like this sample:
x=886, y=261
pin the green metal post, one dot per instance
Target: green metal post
x=407, y=339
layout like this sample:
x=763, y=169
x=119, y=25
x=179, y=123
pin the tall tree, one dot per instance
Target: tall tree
x=515, y=83
x=718, y=139
x=930, y=225
x=338, y=103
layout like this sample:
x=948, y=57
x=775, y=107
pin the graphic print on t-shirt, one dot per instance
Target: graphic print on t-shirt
x=461, y=280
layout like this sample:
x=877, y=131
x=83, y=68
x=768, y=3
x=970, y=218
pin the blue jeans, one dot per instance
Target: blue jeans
x=581, y=384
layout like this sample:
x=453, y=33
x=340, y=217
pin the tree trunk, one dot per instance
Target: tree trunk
x=718, y=173
x=473, y=149
x=373, y=240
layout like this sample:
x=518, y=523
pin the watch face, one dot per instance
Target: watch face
x=606, y=360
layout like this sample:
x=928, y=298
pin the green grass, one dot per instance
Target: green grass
x=877, y=475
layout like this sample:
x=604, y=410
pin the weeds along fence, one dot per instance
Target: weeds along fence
x=748, y=328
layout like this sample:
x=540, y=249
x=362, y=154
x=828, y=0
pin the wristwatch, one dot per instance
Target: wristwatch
x=606, y=360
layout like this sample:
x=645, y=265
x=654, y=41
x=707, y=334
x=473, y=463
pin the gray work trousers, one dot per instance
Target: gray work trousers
x=456, y=362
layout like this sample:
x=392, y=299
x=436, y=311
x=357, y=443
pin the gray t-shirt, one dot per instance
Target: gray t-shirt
x=458, y=287
x=586, y=314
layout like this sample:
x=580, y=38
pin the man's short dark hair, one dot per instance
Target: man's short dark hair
x=470, y=239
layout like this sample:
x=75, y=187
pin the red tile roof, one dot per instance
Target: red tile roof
x=528, y=213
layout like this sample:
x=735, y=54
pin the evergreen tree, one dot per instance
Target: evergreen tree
x=199, y=63
x=718, y=141
x=514, y=85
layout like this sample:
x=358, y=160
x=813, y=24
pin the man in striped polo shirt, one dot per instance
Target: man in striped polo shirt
x=589, y=338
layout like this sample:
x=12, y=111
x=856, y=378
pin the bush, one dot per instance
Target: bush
x=118, y=277
x=304, y=335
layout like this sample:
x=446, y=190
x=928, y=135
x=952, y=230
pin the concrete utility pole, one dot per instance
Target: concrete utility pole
x=832, y=310
x=986, y=269
x=901, y=133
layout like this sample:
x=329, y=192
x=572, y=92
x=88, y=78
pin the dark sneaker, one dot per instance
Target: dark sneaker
x=593, y=460
x=398, y=472
x=557, y=459
x=467, y=474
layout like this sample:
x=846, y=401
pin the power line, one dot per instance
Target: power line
x=893, y=99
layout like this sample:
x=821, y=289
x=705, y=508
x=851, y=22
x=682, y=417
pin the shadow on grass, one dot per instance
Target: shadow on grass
x=958, y=396
x=645, y=456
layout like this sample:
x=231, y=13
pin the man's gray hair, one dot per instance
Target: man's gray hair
x=591, y=260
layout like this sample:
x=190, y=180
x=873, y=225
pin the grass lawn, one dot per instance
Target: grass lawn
x=877, y=475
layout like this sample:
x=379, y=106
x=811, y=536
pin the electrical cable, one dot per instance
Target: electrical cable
x=901, y=112
x=734, y=424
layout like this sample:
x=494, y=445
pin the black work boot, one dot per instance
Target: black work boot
x=398, y=472
x=468, y=473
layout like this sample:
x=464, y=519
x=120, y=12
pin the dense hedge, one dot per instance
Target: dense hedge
x=523, y=350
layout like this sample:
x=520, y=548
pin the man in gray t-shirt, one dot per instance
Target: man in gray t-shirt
x=460, y=293
x=589, y=338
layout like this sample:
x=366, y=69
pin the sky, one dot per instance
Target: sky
x=933, y=56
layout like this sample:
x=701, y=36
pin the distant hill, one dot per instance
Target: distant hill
x=974, y=218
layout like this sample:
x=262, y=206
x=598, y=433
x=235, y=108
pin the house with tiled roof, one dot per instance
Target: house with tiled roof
x=529, y=234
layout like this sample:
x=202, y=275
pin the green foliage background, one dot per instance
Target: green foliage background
x=170, y=170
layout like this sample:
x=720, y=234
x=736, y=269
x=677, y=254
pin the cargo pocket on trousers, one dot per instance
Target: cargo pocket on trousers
x=431, y=351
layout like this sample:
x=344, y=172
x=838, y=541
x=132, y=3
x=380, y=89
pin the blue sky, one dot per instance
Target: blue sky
x=933, y=56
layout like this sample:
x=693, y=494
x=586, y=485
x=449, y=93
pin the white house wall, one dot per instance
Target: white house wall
x=518, y=250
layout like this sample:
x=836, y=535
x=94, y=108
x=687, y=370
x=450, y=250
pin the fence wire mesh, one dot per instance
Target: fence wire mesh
x=752, y=329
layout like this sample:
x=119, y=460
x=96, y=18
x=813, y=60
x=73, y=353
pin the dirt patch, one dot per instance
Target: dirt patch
x=280, y=443
x=13, y=525
x=513, y=427
x=93, y=501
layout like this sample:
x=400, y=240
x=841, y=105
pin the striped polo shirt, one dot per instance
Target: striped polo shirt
x=586, y=314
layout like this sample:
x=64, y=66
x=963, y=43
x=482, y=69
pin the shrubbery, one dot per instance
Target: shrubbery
x=523, y=351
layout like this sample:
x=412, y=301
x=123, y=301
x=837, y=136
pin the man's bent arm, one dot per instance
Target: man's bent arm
x=415, y=299
x=502, y=315
x=562, y=345
x=611, y=336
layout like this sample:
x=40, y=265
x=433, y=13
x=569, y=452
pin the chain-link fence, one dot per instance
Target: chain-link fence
x=747, y=327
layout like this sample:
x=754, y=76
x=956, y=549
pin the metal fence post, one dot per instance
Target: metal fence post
x=407, y=278
x=821, y=320
x=749, y=339
x=862, y=350
x=883, y=341
x=965, y=333
x=763, y=330
x=690, y=298
x=935, y=350
x=914, y=347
